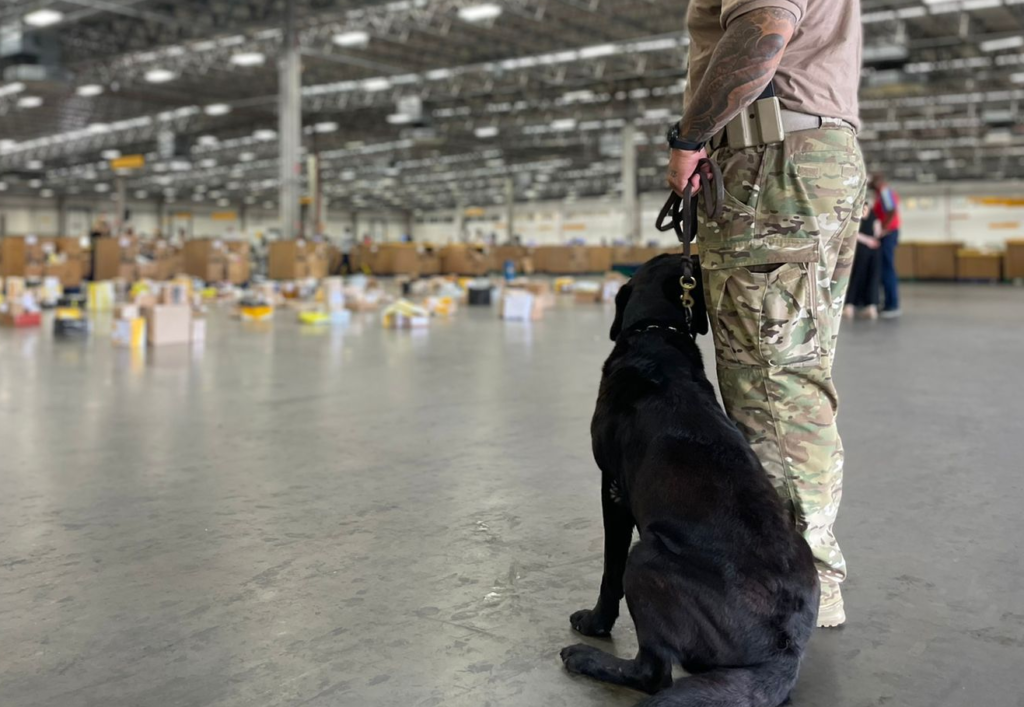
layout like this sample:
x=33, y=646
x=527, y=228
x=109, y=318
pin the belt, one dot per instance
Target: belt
x=792, y=122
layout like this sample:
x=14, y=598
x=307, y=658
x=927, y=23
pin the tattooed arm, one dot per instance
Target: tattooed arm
x=741, y=66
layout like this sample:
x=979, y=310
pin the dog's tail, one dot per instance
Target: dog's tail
x=765, y=685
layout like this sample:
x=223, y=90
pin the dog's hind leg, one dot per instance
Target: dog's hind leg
x=647, y=672
x=618, y=534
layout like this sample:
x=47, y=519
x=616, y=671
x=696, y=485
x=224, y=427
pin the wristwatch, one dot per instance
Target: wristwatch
x=676, y=144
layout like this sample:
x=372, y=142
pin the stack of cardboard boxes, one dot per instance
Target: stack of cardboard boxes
x=19, y=307
x=297, y=260
x=162, y=317
x=465, y=260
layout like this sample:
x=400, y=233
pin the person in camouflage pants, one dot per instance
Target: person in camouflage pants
x=776, y=265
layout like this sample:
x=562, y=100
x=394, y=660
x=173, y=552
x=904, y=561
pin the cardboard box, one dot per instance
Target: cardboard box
x=976, y=265
x=520, y=305
x=126, y=311
x=128, y=272
x=599, y=258
x=430, y=264
x=14, y=288
x=936, y=261
x=587, y=292
x=206, y=258
x=1014, y=259
x=169, y=324
x=905, y=256
x=297, y=259
x=106, y=258
x=12, y=256
x=464, y=260
x=238, y=271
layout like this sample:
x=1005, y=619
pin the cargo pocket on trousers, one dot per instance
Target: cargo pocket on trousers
x=765, y=319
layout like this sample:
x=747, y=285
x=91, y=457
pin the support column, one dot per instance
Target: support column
x=630, y=200
x=290, y=126
x=62, y=216
x=162, y=225
x=120, y=204
x=510, y=206
x=460, y=222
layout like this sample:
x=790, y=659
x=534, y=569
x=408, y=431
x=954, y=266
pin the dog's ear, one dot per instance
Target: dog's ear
x=699, y=323
x=620, y=309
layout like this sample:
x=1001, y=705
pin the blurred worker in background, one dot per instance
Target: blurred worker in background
x=887, y=210
x=776, y=263
x=866, y=279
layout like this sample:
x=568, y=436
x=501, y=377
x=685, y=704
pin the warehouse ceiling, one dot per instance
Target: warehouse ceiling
x=425, y=104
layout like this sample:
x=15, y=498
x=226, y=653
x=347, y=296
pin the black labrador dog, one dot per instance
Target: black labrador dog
x=720, y=582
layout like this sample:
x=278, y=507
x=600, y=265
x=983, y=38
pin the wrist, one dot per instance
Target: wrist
x=681, y=142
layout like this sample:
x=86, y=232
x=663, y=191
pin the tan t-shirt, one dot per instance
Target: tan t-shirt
x=820, y=69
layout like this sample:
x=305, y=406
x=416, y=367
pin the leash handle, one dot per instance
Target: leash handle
x=679, y=214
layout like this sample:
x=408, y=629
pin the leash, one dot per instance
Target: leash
x=681, y=215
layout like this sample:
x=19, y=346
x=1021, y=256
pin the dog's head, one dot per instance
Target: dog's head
x=652, y=297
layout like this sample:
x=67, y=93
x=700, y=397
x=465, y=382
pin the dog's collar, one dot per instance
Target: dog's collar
x=650, y=327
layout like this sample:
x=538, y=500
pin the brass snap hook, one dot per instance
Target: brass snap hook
x=688, y=283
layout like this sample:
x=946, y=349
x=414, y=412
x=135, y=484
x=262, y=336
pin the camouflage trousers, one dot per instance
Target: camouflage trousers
x=776, y=266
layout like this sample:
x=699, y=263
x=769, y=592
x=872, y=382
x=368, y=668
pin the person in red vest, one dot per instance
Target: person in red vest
x=887, y=212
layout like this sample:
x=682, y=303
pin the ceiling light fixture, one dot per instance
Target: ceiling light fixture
x=247, y=157
x=995, y=45
x=102, y=187
x=160, y=75
x=11, y=89
x=248, y=59
x=325, y=127
x=479, y=13
x=399, y=118
x=110, y=154
x=141, y=194
x=354, y=38
x=35, y=183
x=43, y=18
x=486, y=131
x=264, y=134
x=217, y=109
x=376, y=84
x=89, y=90
x=30, y=102
x=34, y=164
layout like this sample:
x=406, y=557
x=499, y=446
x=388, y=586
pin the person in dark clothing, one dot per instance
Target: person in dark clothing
x=866, y=278
x=887, y=209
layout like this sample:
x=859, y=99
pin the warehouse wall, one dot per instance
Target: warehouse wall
x=22, y=216
x=979, y=214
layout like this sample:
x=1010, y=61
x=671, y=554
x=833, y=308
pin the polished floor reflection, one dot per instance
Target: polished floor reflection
x=287, y=516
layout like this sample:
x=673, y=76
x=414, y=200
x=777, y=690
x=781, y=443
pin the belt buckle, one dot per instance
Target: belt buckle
x=831, y=122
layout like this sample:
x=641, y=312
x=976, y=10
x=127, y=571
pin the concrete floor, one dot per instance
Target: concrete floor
x=385, y=518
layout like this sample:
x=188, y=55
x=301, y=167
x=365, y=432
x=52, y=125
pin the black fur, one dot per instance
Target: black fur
x=720, y=582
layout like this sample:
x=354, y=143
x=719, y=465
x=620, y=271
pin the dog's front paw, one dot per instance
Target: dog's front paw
x=590, y=623
x=577, y=657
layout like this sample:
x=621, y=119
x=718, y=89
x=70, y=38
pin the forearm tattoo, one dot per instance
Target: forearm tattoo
x=741, y=66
